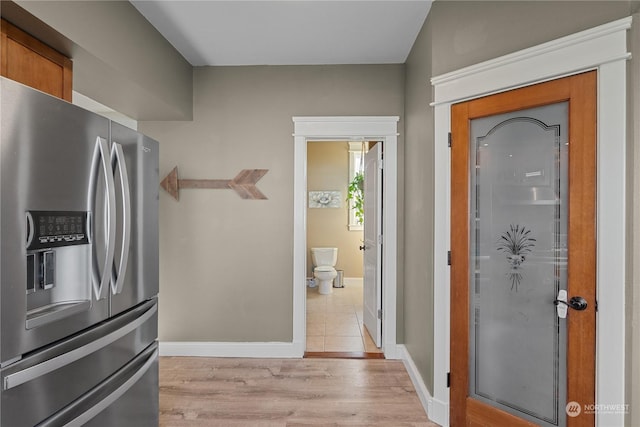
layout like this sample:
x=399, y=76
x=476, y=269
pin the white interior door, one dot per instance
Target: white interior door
x=372, y=289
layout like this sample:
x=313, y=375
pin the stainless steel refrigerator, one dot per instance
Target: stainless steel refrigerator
x=78, y=266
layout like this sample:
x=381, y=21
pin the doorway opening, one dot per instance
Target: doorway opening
x=336, y=216
x=330, y=129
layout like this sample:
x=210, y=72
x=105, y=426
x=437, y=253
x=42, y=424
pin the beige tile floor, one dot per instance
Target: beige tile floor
x=334, y=322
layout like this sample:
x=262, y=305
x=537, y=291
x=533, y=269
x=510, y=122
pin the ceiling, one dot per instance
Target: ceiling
x=293, y=32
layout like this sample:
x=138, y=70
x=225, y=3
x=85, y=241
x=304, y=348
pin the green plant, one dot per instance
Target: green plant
x=355, y=194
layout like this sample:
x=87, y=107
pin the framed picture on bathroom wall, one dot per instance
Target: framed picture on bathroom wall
x=325, y=199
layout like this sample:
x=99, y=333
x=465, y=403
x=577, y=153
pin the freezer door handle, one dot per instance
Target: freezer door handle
x=114, y=395
x=119, y=271
x=101, y=160
x=50, y=365
x=151, y=355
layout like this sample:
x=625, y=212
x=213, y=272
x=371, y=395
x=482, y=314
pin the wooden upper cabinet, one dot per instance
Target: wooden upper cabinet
x=31, y=62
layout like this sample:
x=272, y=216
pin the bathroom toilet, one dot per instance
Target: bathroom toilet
x=324, y=261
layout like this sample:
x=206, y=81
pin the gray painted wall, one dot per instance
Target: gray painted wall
x=468, y=32
x=458, y=34
x=225, y=263
x=418, y=206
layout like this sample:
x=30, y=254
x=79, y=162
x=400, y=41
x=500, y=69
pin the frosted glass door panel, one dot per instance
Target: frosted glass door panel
x=518, y=243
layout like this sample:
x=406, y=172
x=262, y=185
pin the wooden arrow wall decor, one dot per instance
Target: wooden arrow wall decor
x=244, y=184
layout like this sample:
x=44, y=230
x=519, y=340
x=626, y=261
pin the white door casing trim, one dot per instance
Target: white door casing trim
x=381, y=128
x=604, y=49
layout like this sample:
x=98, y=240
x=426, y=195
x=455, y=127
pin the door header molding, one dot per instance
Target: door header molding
x=346, y=126
x=568, y=55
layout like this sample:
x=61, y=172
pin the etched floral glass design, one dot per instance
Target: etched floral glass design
x=518, y=235
x=516, y=243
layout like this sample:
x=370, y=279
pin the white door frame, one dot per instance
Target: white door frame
x=604, y=49
x=383, y=129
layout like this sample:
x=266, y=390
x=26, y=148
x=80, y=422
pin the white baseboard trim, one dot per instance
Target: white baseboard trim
x=437, y=411
x=348, y=281
x=440, y=414
x=392, y=351
x=233, y=349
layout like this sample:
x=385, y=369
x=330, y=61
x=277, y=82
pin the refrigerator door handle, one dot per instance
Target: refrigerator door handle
x=119, y=271
x=30, y=228
x=50, y=365
x=101, y=159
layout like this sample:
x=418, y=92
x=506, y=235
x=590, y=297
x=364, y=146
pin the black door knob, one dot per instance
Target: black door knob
x=577, y=303
x=362, y=248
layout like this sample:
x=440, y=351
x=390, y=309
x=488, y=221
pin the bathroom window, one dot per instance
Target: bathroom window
x=356, y=165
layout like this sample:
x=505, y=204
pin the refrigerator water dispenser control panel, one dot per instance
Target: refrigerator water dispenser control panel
x=51, y=229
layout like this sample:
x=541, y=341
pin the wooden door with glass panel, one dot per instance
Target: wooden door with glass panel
x=523, y=236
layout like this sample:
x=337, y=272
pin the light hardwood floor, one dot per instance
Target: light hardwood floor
x=334, y=321
x=287, y=392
